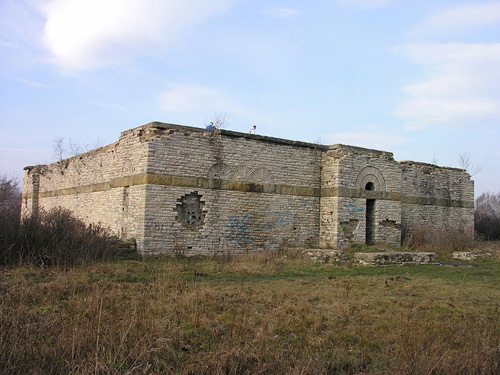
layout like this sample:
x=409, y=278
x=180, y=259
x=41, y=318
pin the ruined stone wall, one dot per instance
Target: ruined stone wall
x=346, y=172
x=99, y=186
x=248, y=193
x=184, y=190
x=438, y=198
x=367, y=191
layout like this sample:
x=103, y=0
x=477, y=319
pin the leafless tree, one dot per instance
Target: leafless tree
x=10, y=195
x=10, y=213
x=60, y=154
x=63, y=150
x=487, y=216
x=466, y=163
x=77, y=149
x=219, y=120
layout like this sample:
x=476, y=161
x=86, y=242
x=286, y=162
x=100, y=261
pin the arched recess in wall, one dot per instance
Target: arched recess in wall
x=370, y=178
x=371, y=175
x=241, y=173
x=221, y=170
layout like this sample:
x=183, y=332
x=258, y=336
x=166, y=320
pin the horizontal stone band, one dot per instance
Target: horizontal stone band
x=248, y=187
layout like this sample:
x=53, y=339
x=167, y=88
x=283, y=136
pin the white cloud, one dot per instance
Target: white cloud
x=462, y=18
x=282, y=13
x=184, y=98
x=35, y=84
x=364, y=4
x=462, y=87
x=368, y=140
x=87, y=34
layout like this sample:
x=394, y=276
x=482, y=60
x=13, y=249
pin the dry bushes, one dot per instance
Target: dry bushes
x=442, y=242
x=10, y=212
x=487, y=216
x=54, y=238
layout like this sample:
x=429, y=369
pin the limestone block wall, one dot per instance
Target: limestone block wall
x=356, y=165
x=250, y=193
x=98, y=186
x=440, y=198
x=193, y=152
x=431, y=181
x=233, y=222
x=328, y=221
x=360, y=185
x=185, y=190
x=352, y=222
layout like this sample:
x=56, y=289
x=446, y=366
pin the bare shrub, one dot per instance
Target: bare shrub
x=466, y=163
x=487, y=216
x=219, y=120
x=440, y=241
x=10, y=211
x=10, y=196
x=56, y=238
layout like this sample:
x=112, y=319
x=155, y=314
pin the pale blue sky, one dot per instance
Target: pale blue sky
x=418, y=78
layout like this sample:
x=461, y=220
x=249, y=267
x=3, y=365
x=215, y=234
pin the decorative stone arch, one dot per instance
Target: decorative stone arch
x=221, y=170
x=370, y=178
x=240, y=173
x=262, y=175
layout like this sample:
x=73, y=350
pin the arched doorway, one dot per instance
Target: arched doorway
x=370, y=217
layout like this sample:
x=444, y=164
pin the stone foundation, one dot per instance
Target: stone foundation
x=394, y=258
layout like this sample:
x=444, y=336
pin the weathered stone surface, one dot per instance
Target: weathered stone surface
x=467, y=255
x=394, y=258
x=246, y=193
x=324, y=255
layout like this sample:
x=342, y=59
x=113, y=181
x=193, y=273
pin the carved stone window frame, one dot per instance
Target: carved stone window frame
x=190, y=211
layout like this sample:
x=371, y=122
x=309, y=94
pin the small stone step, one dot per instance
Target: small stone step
x=324, y=255
x=394, y=258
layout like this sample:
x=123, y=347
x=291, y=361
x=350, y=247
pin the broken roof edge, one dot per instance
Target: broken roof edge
x=228, y=133
x=39, y=167
x=361, y=149
x=410, y=163
x=231, y=133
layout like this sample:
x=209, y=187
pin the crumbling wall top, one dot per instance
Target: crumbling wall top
x=344, y=150
x=427, y=166
x=153, y=130
x=43, y=168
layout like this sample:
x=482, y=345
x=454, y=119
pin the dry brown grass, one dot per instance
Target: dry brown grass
x=442, y=242
x=257, y=315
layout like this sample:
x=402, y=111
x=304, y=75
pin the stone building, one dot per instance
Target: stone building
x=185, y=190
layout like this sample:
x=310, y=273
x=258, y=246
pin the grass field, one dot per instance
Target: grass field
x=250, y=315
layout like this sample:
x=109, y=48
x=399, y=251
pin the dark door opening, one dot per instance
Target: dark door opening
x=370, y=222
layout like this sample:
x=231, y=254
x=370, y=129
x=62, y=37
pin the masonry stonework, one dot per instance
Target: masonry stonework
x=185, y=190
